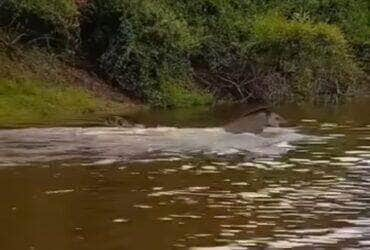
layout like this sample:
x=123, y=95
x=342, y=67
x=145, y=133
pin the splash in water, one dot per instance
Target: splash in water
x=108, y=145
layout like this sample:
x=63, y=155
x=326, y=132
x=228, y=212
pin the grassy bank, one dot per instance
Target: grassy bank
x=38, y=88
x=25, y=101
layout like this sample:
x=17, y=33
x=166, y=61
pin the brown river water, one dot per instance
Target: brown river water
x=185, y=183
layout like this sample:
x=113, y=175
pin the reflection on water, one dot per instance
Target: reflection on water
x=316, y=195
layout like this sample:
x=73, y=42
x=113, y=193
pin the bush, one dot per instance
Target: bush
x=314, y=58
x=45, y=22
x=156, y=40
x=181, y=95
x=352, y=16
x=152, y=42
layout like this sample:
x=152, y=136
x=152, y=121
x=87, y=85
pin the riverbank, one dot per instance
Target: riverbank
x=59, y=61
x=179, y=54
x=37, y=87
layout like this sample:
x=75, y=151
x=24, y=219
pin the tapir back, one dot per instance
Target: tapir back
x=254, y=123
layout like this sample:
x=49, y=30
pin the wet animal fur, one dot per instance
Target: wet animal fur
x=254, y=121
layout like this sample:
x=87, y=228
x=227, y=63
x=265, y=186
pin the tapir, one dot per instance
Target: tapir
x=255, y=121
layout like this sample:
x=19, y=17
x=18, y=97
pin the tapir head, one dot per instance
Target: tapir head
x=275, y=120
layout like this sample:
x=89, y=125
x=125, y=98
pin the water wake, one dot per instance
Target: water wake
x=108, y=145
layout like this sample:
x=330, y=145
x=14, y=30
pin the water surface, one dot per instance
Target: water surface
x=296, y=192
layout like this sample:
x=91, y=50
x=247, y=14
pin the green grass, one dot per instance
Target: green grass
x=178, y=96
x=25, y=102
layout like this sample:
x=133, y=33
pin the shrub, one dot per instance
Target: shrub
x=151, y=42
x=352, y=16
x=314, y=58
x=139, y=43
x=175, y=95
x=50, y=22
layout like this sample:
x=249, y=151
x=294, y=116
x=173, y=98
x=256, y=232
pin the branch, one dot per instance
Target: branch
x=17, y=39
x=234, y=84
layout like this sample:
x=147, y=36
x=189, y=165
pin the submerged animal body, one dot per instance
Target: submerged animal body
x=255, y=122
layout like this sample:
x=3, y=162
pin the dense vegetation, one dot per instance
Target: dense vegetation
x=179, y=53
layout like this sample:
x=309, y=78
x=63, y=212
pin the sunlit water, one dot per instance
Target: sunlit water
x=192, y=188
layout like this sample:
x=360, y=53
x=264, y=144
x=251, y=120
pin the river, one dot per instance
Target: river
x=186, y=184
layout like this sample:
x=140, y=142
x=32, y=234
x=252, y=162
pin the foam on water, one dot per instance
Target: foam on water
x=108, y=145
